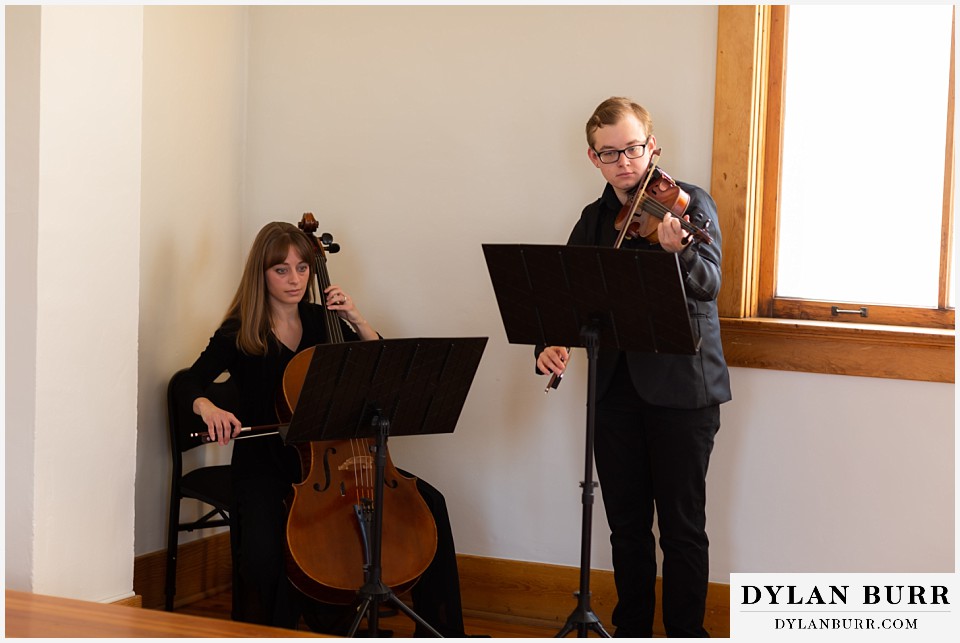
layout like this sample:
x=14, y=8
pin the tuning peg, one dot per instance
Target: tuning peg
x=327, y=240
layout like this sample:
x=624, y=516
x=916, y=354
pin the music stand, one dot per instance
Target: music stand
x=628, y=300
x=375, y=389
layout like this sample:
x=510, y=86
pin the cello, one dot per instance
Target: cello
x=330, y=513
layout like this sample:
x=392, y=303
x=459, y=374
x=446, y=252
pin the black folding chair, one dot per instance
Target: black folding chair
x=210, y=485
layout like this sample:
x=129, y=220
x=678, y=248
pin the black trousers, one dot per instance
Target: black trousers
x=654, y=458
x=265, y=595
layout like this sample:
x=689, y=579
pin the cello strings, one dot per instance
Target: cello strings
x=364, y=446
x=357, y=477
x=333, y=321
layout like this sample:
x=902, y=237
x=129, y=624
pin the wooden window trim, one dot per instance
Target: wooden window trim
x=753, y=338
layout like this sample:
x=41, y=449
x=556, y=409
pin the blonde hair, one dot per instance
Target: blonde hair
x=610, y=111
x=251, y=304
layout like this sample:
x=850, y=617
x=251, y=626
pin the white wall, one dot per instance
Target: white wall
x=193, y=132
x=83, y=266
x=22, y=132
x=816, y=473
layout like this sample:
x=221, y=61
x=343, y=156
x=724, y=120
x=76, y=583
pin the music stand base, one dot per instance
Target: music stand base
x=583, y=620
x=369, y=605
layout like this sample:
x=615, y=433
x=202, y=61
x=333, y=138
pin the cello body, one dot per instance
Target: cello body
x=327, y=543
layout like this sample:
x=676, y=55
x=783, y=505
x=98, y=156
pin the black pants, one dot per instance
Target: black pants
x=650, y=458
x=436, y=596
x=267, y=597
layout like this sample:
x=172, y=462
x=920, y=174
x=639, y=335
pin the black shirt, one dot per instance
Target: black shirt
x=258, y=379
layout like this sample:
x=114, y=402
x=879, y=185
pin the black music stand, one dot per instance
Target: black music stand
x=628, y=300
x=374, y=389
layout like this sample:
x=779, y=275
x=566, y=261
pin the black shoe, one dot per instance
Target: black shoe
x=381, y=634
x=328, y=619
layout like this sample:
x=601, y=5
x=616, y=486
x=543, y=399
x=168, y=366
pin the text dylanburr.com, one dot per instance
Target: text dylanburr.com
x=844, y=607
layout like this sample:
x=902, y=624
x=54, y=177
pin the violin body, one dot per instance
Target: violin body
x=654, y=198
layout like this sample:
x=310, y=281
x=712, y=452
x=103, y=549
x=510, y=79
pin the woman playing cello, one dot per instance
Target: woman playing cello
x=270, y=319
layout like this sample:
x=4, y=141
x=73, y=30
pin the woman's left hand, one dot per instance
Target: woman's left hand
x=338, y=300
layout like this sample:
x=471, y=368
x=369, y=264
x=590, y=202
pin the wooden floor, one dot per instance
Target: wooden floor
x=402, y=627
x=30, y=615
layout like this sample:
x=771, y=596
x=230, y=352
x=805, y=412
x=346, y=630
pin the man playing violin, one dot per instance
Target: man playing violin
x=656, y=414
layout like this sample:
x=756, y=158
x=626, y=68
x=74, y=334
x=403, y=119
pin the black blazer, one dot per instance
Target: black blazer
x=676, y=381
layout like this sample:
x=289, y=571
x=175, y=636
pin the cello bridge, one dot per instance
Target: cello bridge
x=357, y=463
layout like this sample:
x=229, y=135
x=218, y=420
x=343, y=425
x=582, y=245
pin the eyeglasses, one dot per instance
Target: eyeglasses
x=632, y=152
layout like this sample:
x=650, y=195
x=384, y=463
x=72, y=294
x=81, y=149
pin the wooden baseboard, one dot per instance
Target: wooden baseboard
x=203, y=569
x=509, y=590
x=131, y=601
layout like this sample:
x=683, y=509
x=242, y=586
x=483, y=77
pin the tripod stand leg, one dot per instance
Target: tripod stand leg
x=582, y=630
x=400, y=605
x=361, y=612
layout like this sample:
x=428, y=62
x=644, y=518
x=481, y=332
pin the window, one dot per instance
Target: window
x=861, y=171
x=772, y=316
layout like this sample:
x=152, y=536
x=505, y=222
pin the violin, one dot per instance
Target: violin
x=330, y=518
x=654, y=197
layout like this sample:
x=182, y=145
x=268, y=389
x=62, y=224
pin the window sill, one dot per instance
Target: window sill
x=868, y=350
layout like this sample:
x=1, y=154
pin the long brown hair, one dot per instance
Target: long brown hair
x=251, y=304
